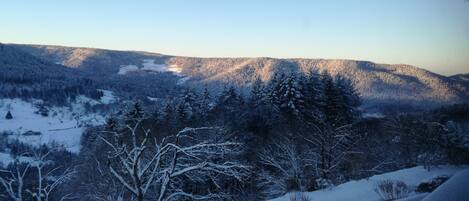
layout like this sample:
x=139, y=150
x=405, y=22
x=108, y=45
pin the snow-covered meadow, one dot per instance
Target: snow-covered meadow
x=62, y=125
x=149, y=65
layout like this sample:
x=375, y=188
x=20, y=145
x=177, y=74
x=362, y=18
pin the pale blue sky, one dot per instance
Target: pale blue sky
x=432, y=34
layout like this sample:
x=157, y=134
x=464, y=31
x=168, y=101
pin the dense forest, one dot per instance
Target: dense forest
x=27, y=77
x=297, y=132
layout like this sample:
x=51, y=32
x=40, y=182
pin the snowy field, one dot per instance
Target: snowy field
x=363, y=190
x=63, y=125
x=149, y=65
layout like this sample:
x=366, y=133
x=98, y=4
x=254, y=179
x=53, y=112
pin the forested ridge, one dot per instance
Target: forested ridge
x=259, y=138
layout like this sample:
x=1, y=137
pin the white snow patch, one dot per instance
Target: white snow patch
x=374, y=115
x=363, y=190
x=108, y=97
x=63, y=125
x=182, y=80
x=149, y=65
x=417, y=197
x=152, y=98
x=175, y=69
x=126, y=69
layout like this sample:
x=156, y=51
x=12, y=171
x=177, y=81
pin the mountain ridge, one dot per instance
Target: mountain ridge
x=376, y=82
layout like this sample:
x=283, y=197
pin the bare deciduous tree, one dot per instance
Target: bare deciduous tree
x=47, y=180
x=285, y=167
x=142, y=166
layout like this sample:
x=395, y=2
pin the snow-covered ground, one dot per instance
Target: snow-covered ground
x=363, y=190
x=455, y=189
x=149, y=65
x=127, y=68
x=152, y=98
x=175, y=69
x=108, y=97
x=63, y=125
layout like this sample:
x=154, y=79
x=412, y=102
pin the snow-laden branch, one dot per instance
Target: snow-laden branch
x=141, y=167
x=47, y=181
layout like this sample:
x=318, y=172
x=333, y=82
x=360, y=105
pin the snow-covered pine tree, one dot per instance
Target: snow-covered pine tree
x=334, y=104
x=169, y=116
x=273, y=90
x=350, y=98
x=205, y=104
x=314, y=97
x=291, y=98
x=187, y=107
x=134, y=113
x=257, y=95
x=229, y=107
x=230, y=99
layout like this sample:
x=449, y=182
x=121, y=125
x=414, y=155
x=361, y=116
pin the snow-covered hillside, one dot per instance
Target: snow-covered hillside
x=363, y=190
x=62, y=125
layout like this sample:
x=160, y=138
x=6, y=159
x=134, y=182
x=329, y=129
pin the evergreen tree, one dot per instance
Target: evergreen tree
x=135, y=114
x=333, y=101
x=169, y=117
x=289, y=97
x=314, y=97
x=350, y=98
x=205, y=104
x=187, y=107
x=8, y=115
x=257, y=95
x=111, y=124
x=229, y=99
x=229, y=108
x=258, y=116
x=273, y=91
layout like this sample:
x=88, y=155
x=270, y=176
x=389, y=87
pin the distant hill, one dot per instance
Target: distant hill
x=25, y=76
x=461, y=77
x=378, y=84
x=97, y=67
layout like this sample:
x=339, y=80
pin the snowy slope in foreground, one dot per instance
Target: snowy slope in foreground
x=455, y=189
x=63, y=125
x=363, y=190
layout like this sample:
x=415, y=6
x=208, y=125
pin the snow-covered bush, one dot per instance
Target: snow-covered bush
x=322, y=183
x=432, y=184
x=299, y=197
x=392, y=190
